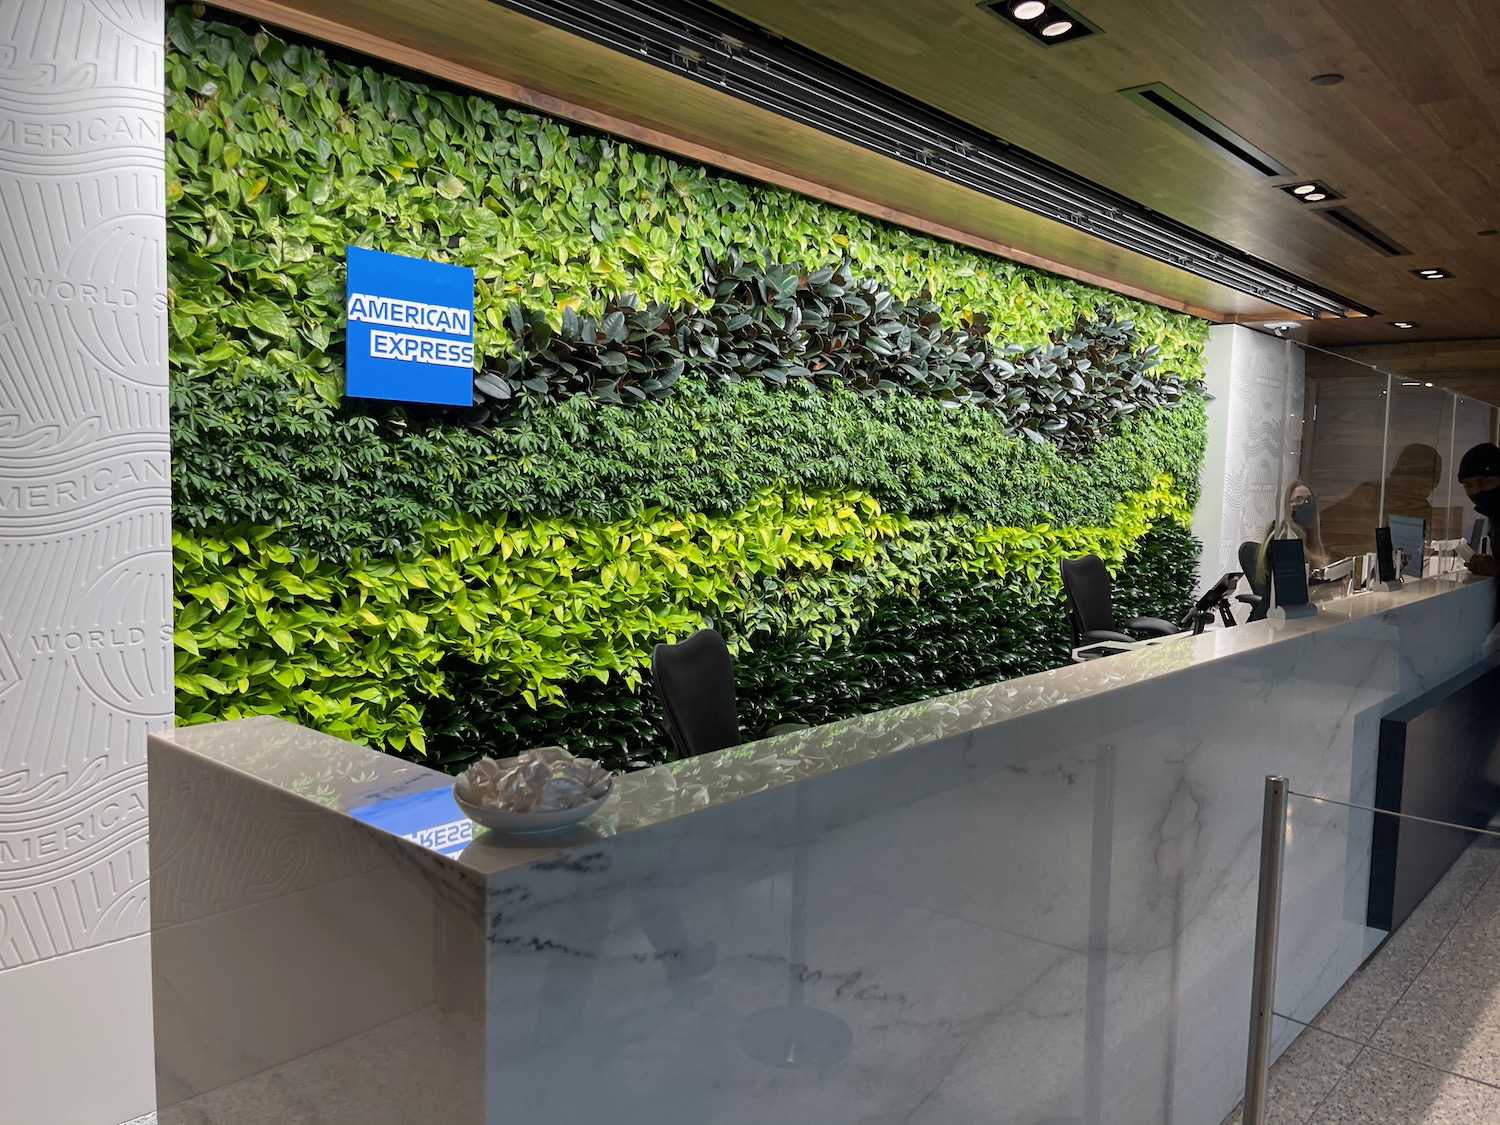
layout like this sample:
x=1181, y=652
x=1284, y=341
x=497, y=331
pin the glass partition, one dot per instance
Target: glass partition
x=1342, y=453
x=1378, y=447
x=1418, y=436
x=1473, y=422
x=1413, y=1006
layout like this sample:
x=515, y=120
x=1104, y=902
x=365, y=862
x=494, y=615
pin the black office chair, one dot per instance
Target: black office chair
x=695, y=683
x=1259, y=597
x=1091, y=616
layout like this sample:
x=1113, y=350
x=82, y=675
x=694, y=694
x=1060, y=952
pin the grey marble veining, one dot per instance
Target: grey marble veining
x=1030, y=902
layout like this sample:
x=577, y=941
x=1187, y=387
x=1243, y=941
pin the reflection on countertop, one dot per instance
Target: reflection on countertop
x=1028, y=901
x=342, y=776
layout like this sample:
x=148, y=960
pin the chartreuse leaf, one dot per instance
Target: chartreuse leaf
x=697, y=399
x=578, y=600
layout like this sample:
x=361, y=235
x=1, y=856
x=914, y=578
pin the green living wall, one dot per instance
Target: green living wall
x=857, y=451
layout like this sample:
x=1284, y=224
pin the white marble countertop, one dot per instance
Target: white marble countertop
x=342, y=776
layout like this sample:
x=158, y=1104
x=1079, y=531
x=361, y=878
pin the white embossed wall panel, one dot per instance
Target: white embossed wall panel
x=1255, y=435
x=85, y=504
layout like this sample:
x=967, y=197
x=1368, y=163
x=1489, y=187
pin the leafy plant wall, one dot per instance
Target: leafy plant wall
x=857, y=451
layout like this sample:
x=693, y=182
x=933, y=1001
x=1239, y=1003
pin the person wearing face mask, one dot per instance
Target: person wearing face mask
x=1299, y=520
x=1479, y=473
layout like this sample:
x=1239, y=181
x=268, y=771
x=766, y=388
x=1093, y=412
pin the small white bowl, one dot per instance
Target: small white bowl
x=530, y=823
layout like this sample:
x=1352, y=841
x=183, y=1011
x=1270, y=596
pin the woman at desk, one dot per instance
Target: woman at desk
x=1299, y=520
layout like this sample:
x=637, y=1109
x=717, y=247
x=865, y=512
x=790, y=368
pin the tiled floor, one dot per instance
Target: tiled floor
x=1414, y=1037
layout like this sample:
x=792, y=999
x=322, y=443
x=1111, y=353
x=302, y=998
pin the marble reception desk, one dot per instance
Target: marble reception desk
x=1026, y=903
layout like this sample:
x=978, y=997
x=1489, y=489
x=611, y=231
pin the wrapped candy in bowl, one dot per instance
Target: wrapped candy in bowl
x=542, y=790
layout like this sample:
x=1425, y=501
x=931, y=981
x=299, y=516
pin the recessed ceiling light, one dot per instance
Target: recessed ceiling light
x=1411, y=384
x=1310, y=191
x=1427, y=384
x=1048, y=22
x=1327, y=79
x=1432, y=273
x=1403, y=324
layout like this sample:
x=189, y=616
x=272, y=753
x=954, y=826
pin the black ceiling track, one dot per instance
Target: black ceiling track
x=718, y=50
x=1347, y=221
x=1166, y=103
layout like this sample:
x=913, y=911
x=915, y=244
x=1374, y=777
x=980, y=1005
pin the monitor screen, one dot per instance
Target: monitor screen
x=1408, y=533
x=1288, y=571
x=1478, y=533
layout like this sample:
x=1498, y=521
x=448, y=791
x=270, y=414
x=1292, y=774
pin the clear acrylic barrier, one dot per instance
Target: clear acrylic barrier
x=1371, y=444
x=1341, y=455
x=1417, y=444
x=1473, y=423
x=1419, y=1011
x=1326, y=888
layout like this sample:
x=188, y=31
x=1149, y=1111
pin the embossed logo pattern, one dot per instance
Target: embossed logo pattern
x=85, y=498
x=1265, y=407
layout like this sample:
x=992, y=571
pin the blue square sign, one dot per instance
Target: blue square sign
x=410, y=329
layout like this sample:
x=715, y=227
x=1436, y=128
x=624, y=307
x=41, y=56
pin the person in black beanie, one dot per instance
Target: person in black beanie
x=1479, y=473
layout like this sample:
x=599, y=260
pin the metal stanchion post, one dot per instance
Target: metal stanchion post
x=1267, y=923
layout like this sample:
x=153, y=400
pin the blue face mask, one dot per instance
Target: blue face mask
x=1487, y=503
x=1305, y=513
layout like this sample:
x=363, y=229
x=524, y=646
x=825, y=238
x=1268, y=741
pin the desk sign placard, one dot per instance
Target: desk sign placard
x=410, y=329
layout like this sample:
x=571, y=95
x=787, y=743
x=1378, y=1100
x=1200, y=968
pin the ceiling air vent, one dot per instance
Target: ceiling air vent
x=1166, y=103
x=1351, y=223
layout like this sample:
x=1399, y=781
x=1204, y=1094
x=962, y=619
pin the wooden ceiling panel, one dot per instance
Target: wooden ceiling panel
x=1410, y=138
x=484, y=46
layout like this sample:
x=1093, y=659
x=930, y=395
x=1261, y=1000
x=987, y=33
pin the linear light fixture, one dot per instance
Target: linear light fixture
x=717, y=50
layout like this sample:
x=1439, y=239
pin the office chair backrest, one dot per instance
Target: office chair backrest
x=695, y=683
x=1086, y=589
x=1250, y=565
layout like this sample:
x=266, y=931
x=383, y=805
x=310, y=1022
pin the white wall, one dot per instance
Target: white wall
x=1254, y=439
x=85, y=548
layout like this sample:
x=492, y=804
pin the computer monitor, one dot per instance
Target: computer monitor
x=1408, y=534
x=1478, y=534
